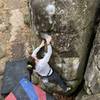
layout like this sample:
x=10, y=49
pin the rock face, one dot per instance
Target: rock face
x=70, y=24
x=15, y=36
x=92, y=75
x=91, y=97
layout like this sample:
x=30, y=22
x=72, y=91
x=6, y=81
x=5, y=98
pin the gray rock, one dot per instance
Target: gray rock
x=92, y=75
x=81, y=94
x=91, y=97
x=1, y=78
x=2, y=53
x=19, y=43
x=2, y=65
x=14, y=34
x=70, y=26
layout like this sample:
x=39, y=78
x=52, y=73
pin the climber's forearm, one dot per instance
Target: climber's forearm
x=36, y=51
x=48, y=54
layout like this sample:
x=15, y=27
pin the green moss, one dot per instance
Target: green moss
x=27, y=20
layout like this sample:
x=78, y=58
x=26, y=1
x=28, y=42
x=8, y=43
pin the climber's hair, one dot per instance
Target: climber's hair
x=31, y=61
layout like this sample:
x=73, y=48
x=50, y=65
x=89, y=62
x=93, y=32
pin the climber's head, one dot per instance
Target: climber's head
x=32, y=61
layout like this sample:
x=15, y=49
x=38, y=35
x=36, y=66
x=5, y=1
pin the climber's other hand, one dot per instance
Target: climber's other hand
x=48, y=39
x=42, y=43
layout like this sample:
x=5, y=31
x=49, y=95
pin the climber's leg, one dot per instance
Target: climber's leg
x=56, y=78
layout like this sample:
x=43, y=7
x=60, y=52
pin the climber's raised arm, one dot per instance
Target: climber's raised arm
x=48, y=54
x=37, y=49
x=49, y=49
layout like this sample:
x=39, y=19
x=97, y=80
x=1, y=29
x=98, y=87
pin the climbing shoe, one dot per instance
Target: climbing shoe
x=67, y=89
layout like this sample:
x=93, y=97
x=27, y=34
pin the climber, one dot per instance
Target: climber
x=42, y=67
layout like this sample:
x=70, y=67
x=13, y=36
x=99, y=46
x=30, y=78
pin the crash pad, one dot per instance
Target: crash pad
x=14, y=72
x=23, y=91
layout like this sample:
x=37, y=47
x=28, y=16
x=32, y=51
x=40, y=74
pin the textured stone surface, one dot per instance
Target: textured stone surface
x=81, y=94
x=4, y=37
x=92, y=75
x=1, y=77
x=3, y=43
x=15, y=35
x=91, y=97
x=71, y=28
x=2, y=64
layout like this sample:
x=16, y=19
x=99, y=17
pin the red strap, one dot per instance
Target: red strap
x=10, y=97
x=41, y=94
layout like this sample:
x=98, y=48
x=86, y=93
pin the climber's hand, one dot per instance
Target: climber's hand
x=42, y=43
x=48, y=39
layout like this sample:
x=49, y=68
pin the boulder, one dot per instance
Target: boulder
x=20, y=39
x=91, y=97
x=81, y=94
x=1, y=78
x=92, y=74
x=2, y=65
x=4, y=37
x=1, y=53
x=70, y=23
x=3, y=43
x=15, y=35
